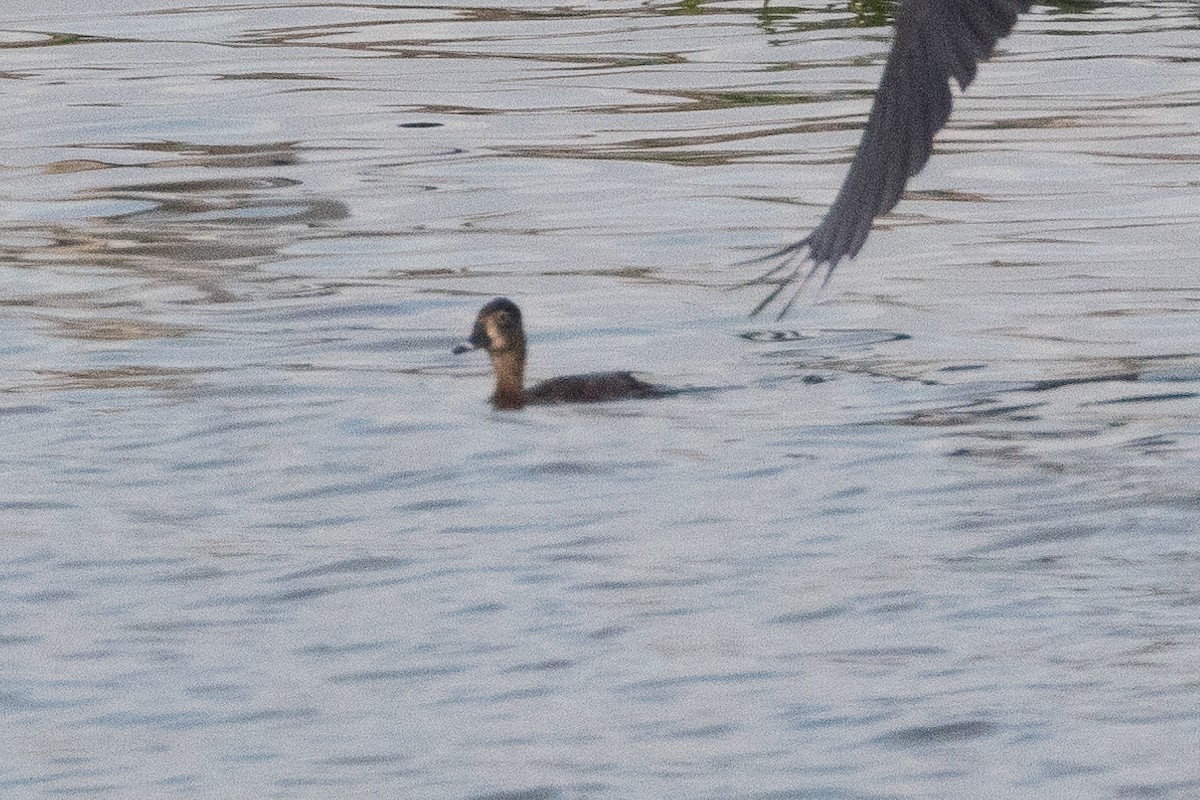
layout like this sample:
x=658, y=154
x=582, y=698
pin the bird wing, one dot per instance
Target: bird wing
x=935, y=40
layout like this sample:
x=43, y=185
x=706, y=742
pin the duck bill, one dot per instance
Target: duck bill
x=478, y=340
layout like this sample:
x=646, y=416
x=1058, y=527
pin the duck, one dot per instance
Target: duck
x=935, y=41
x=499, y=330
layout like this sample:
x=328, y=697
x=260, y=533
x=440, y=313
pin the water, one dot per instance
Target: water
x=932, y=536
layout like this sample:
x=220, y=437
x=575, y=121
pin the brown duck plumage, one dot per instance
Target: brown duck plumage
x=498, y=330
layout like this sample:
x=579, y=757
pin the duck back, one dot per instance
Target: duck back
x=595, y=387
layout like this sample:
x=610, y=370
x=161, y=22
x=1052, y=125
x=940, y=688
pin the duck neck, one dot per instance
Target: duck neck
x=509, y=366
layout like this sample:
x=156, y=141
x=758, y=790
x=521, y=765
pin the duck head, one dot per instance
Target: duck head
x=499, y=331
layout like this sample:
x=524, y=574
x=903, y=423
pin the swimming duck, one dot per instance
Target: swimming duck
x=498, y=330
x=935, y=40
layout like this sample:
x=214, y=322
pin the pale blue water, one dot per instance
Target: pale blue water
x=932, y=536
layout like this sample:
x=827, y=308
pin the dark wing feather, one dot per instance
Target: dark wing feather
x=935, y=40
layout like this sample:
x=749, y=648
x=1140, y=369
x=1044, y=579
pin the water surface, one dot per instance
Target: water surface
x=931, y=536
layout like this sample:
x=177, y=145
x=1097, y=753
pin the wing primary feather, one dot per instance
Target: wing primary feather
x=935, y=41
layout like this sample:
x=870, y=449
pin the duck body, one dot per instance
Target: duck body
x=594, y=387
x=499, y=330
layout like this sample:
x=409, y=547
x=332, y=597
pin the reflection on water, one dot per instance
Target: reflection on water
x=933, y=532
